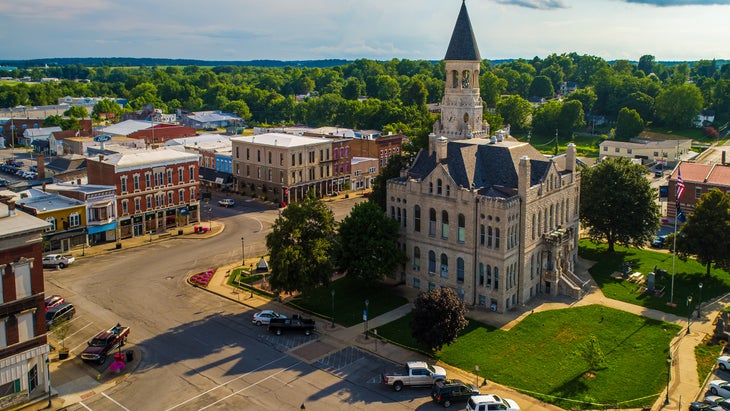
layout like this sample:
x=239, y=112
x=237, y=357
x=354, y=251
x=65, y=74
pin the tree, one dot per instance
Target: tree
x=515, y=111
x=706, y=234
x=76, y=112
x=586, y=96
x=368, y=243
x=106, y=106
x=617, y=203
x=629, y=124
x=391, y=170
x=438, y=318
x=592, y=353
x=301, y=245
x=541, y=86
x=678, y=105
x=646, y=63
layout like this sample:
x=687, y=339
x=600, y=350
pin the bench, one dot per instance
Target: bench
x=164, y=235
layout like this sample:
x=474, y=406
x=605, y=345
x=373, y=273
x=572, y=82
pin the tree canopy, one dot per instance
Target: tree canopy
x=301, y=246
x=617, y=203
x=438, y=318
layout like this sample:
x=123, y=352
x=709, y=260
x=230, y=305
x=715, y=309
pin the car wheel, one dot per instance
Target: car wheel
x=278, y=331
x=62, y=265
x=102, y=359
x=722, y=366
x=307, y=332
x=398, y=385
x=447, y=404
x=258, y=323
x=713, y=390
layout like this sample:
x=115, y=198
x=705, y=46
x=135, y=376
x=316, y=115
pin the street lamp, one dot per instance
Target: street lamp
x=332, y=292
x=367, y=302
x=243, y=252
x=689, y=311
x=699, y=301
x=669, y=373
x=476, y=375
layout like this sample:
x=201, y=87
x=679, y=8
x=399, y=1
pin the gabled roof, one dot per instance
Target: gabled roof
x=280, y=140
x=463, y=45
x=41, y=132
x=66, y=163
x=126, y=128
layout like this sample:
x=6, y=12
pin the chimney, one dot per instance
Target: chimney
x=41, y=166
x=570, y=153
x=441, y=148
x=78, y=181
x=11, y=208
x=523, y=179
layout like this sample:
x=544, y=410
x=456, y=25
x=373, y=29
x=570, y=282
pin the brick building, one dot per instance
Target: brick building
x=698, y=180
x=156, y=189
x=490, y=217
x=24, y=350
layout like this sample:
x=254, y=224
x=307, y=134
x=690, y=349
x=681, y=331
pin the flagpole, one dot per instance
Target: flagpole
x=674, y=253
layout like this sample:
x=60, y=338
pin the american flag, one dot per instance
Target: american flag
x=680, y=185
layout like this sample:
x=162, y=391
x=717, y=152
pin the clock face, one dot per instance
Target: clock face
x=466, y=117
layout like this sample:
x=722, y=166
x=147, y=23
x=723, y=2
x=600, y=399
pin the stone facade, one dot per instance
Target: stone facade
x=490, y=217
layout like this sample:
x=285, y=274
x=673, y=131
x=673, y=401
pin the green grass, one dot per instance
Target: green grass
x=706, y=355
x=586, y=144
x=350, y=296
x=687, y=276
x=538, y=356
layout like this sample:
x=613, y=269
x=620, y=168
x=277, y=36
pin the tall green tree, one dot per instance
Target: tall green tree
x=629, y=124
x=516, y=111
x=438, y=318
x=301, y=246
x=706, y=234
x=678, y=105
x=368, y=243
x=541, y=86
x=106, y=106
x=617, y=203
x=76, y=112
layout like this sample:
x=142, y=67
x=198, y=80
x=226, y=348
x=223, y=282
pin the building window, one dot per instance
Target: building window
x=444, y=266
x=181, y=196
x=448, y=190
x=533, y=226
x=432, y=222
x=25, y=326
x=482, y=234
x=23, y=285
x=169, y=176
x=496, y=278
x=481, y=274
x=192, y=194
x=123, y=183
x=430, y=187
x=431, y=262
x=482, y=300
x=438, y=187
x=137, y=205
x=431, y=286
x=147, y=181
x=496, y=238
x=489, y=237
x=192, y=173
x=417, y=219
x=170, y=198
x=698, y=192
x=149, y=202
x=617, y=149
x=460, y=270
x=416, y=258
x=125, y=207
x=416, y=283
x=461, y=233
x=135, y=179
x=489, y=276
x=445, y=225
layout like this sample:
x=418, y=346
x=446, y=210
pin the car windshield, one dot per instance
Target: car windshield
x=97, y=342
x=430, y=368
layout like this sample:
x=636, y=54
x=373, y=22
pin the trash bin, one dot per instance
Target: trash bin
x=129, y=355
x=196, y=228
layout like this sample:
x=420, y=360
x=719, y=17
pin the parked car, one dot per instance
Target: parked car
x=226, y=202
x=452, y=391
x=63, y=311
x=104, y=342
x=53, y=301
x=296, y=323
x=723, y=362
x=720, y=387
x=658, y=241
x=703, y=406
x=413, y=373
x=265, y=316
x=491, y=402
x=713, y=401
x=57, y=260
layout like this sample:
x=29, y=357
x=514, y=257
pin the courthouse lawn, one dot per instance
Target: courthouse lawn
x=687, y=276
x=539, y=355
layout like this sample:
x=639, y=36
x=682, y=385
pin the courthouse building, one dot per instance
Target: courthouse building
x=485, y=214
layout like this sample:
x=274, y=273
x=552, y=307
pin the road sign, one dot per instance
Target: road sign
x=102, y=138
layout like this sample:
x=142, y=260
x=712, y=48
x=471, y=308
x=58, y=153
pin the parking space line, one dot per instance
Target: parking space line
x=227, y=382
x=115, y=401
x=84, y=405
x=71, y=335
x=251, y=385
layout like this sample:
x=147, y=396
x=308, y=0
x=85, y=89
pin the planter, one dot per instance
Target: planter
x=63, y=353
x=180, y=232
x=118, y=246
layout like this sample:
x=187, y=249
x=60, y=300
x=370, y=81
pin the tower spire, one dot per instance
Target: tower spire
x=463, y=44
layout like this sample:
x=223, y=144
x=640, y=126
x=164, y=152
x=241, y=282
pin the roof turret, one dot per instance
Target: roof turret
x=463, y=45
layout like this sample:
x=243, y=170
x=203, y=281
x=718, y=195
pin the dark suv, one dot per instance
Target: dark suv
x=61, y=312
x=452, y=391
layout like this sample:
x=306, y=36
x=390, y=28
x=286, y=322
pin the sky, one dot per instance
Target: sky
x=240, y=30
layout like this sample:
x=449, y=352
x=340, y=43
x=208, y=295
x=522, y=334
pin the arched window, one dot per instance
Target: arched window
x=465, y=79
x=445, y=225
x=438, y=187
x=481, y=274
x=431, y=262
x=552, y=218
x=430, y=187
x=489, y=237
x=416, y=258
x=489, y=276
x=496, y=278
x=496, y=238
x=461, y=233
x=459, y=270
x=432, y=222
x=448, y=190
x=444, y=266
x=455, y=79
x=417, y=218
x=482, y=234
x=533, y=226
x=392, y=212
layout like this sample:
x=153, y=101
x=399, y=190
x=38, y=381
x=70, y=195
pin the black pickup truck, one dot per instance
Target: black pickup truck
x=295, y=323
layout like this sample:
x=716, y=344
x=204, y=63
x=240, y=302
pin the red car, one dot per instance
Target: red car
x=53, y=301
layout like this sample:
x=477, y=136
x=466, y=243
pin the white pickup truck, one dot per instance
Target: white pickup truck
x=415, y=373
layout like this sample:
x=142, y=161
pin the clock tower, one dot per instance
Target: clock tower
x=461, y=108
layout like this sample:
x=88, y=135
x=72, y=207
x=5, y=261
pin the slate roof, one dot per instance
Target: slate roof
x=62, y=164
x=477, y=163
x=463, y=45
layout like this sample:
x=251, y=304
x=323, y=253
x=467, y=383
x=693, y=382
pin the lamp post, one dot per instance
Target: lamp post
x=332, y=292
x=699, y=301
x=689, y=311
x=476, y=375
x=243, y=252
x=367, y=302
x=669, y=373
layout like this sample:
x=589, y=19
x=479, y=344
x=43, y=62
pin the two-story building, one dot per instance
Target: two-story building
x=698, y=180
x=101, y=208
x=24, y=374
x=155, y=189
x=364, y=171
x=283, y=167
x=66, y=218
